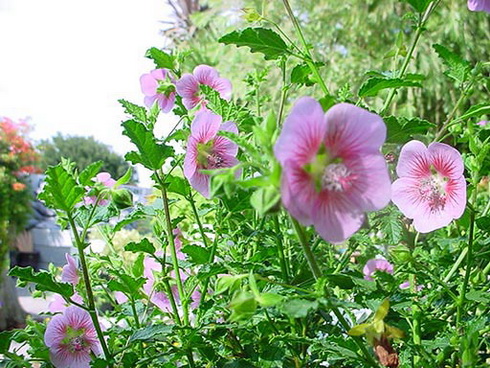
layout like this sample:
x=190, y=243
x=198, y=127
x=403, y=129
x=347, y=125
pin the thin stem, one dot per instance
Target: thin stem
x=469, y=261
x=408, y=57
x=173, y=250
x=315, y=269
x=280, y=250
x=309, y=61
x=284, y=93
x=88, y=288
x=190, y=199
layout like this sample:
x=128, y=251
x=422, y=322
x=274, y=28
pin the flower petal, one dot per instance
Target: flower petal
x=206, y=74
x=159, y=74
x=414, y=160
x=455, y=197
x=335, y=217
x=223, y=86
x=302, y=133
x=223, y=145
x=200, y=182
x=352, y=130
x=297, y=192
x=371, y=190
x=446, y=160
x=187, y=86
x=205, y=126
x=190, y=160
x=148, y=85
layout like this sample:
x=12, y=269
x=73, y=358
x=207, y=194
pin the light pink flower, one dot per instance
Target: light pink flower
x=158, y=86
x=188, y=86
x=104, y=179
x=207, y=151
x=69, y=273
x=406, y=285
x=121, y=298
x=71, y=338
x=374, y=265
x=58, y=304
x=431, y=188
x=333, y=171
x=479, y=5
x=483, y=123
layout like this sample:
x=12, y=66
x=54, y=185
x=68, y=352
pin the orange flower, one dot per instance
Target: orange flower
x=18, y=186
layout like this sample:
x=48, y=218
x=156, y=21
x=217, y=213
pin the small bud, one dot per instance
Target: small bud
x=251, y=15
x=122, y=198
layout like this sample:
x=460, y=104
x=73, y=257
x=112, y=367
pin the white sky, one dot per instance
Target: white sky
x=65, y=63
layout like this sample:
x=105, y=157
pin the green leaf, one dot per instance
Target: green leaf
x=43, y=280
x=89, y=172
x=342, y=281
x=265, y=199
x=301, y=74
x=144, y=246
x=137, y=112
x=151, y=155
x=127, y=284
x=401, y=130
x=483, y=223
x=161, y=58
x=358, y=330
x=390, y=224
x=298, y=308
x=419, y=5
x=372, y=86
x=157, y=332
x=269, y=299
x=5, y=339
x=125, y=178
x=61, y=191
x=478, y=296
x=177, y=185
x=458, y=68
x=228, y=282
x=476, y=111
x=261, y=40
x=243, y=306
x=199, y=255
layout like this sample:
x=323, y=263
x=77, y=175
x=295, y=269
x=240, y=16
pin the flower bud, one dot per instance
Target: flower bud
x=122, y=198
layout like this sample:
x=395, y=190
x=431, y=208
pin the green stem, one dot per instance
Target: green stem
x=408, y=57
x=173, y=250
x=284, y=93
x=469, y=261
x=309, y=61
x=90, y=295
x=280, y=250
x=315, y=269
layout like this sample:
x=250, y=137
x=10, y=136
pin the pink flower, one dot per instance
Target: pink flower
x=158, y=86
x=104, y=179
x=374, y=265
x=406, y=285
x=58, y=304
x=121, y=298
x=207, y=151
x=479, y=5
x=483, y=123
x=188, y=86
x=431, y=188
x=69, y=272
x=71, y=338
x=333, y=170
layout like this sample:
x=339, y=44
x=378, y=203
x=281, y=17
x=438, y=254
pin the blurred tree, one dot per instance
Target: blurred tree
x=83, y=151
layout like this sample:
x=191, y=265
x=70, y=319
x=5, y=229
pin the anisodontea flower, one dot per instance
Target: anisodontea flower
x=333, y=171
x=479, y=5
x=431, y=188
x=374, y=265
x=58, y=304
x=103, y=178
x=158, y=86
x=207, y=151
x=69, y=272
x=71, y=338
x=188, y=86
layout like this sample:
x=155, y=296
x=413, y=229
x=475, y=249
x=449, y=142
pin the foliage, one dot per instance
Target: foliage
x=83, y=151
x=18, y=158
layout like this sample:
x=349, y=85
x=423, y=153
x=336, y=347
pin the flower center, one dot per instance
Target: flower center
x=433, y=191
x=336, y=177
x=207, y=158
x=77, y=344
